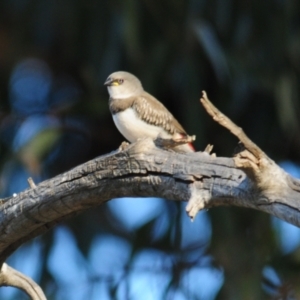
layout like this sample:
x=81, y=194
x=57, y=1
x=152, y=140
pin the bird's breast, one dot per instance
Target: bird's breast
x=132, y=127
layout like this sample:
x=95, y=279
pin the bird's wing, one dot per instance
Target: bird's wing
x=154, y=112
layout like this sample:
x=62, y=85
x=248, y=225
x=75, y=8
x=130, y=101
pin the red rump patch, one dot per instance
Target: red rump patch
x=191, y=146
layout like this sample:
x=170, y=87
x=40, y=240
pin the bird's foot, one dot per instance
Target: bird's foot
x=123, y=146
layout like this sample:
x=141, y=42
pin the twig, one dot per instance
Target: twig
x=11, y=277
x=265, y=173
x=31, y=183
x=232, y=127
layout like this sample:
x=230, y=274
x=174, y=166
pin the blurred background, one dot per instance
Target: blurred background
x=54, y=59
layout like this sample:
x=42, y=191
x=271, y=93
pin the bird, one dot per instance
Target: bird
x=137, y=114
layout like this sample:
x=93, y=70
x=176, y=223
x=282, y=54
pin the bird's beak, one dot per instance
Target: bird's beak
x=109, y=82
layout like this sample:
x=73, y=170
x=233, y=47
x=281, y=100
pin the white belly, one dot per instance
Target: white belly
x=134, y=128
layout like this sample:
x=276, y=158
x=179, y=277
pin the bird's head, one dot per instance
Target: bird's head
x=123, y=85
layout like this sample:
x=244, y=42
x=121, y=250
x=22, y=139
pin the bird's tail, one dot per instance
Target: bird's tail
x=188, y=147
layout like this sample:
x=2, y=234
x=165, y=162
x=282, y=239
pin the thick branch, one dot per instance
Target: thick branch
x=142, y=170
x=250, y=179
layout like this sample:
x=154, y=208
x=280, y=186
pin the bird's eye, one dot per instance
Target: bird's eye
x=120, y=81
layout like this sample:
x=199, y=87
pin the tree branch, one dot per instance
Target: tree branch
x=11, y=277
x=228, y=124
x=250, y=179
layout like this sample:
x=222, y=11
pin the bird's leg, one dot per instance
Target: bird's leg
x=123, y=146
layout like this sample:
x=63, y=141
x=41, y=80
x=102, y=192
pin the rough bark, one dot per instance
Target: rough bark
x=142, y=170
x=250, y=179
